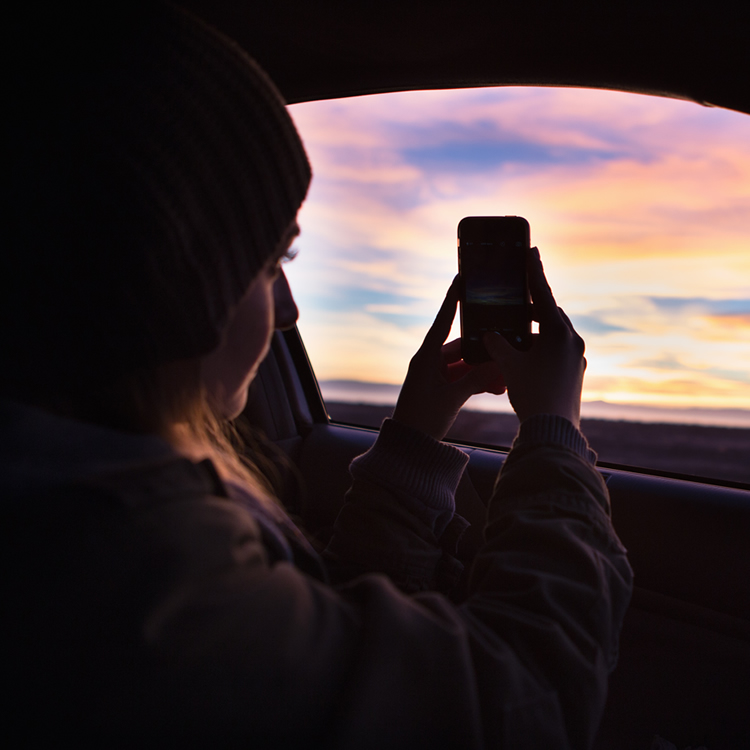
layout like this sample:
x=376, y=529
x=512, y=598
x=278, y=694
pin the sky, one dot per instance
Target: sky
x=640, y=207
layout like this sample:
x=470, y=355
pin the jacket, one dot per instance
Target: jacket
x=167, y=609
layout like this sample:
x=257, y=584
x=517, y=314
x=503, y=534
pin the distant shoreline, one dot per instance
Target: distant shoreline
x=384, y=394
x=698, y=450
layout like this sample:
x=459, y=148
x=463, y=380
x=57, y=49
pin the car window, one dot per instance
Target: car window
x=640, y=207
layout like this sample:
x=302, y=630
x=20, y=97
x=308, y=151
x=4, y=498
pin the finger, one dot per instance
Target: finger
x=441, y=327
x=577, y=338
x=545, y=307
x=486, y=378
x=456, y=370
x=562, y=314
x=497, y=387
x=451, y=352
x=497, y=382
x=498, y=347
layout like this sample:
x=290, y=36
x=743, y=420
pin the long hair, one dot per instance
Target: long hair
x=170, y=400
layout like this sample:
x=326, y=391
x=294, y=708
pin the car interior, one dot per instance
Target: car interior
x=684, y=666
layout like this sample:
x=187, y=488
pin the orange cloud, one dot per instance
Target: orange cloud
x=739, y=323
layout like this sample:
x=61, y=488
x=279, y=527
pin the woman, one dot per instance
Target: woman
x=159, y=587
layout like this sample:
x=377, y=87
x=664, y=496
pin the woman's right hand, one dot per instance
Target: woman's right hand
x=548, y=377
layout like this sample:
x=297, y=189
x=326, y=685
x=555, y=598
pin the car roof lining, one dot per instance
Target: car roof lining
x=340, y=49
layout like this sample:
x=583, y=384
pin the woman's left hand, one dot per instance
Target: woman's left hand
x=439, y=382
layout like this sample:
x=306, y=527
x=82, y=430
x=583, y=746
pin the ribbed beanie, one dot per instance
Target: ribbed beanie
x=154, y=171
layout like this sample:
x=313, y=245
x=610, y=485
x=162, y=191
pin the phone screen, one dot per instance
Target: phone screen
x=492, y=265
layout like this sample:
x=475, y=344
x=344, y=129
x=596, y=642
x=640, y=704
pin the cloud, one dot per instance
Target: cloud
x=359, y=346
x=666, y=361
x=731, y=322
x=701, y=390
x=475, y=155
x=670, y=362
x=713, y=307
x=708, y=319
x=594, y=323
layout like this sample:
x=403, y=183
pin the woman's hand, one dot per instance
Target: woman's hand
x=439, y=382
x=548, y=378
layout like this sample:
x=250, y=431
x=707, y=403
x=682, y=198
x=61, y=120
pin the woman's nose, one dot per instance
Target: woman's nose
x=285, y=308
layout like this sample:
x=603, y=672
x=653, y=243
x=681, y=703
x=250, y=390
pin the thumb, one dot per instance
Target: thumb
x=499, y=348
x=484, y=378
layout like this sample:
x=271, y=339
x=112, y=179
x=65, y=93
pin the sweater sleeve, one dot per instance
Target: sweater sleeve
x=547, y=593
x=552, y=584
x=399, y=506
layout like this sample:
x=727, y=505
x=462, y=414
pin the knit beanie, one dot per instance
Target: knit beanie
x=154, y=170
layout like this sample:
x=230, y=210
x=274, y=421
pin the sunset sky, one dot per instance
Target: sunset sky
x=640, y=207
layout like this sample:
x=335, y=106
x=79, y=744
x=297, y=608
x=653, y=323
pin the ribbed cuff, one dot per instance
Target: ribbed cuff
x=551, y=429
x=409, y=461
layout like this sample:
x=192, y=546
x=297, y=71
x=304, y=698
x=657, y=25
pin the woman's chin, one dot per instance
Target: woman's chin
x=235, y=406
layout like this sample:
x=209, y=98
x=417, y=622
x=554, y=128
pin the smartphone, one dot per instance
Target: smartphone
x=492, y=254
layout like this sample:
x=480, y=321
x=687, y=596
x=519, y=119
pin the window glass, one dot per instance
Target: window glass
x=640, y=207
